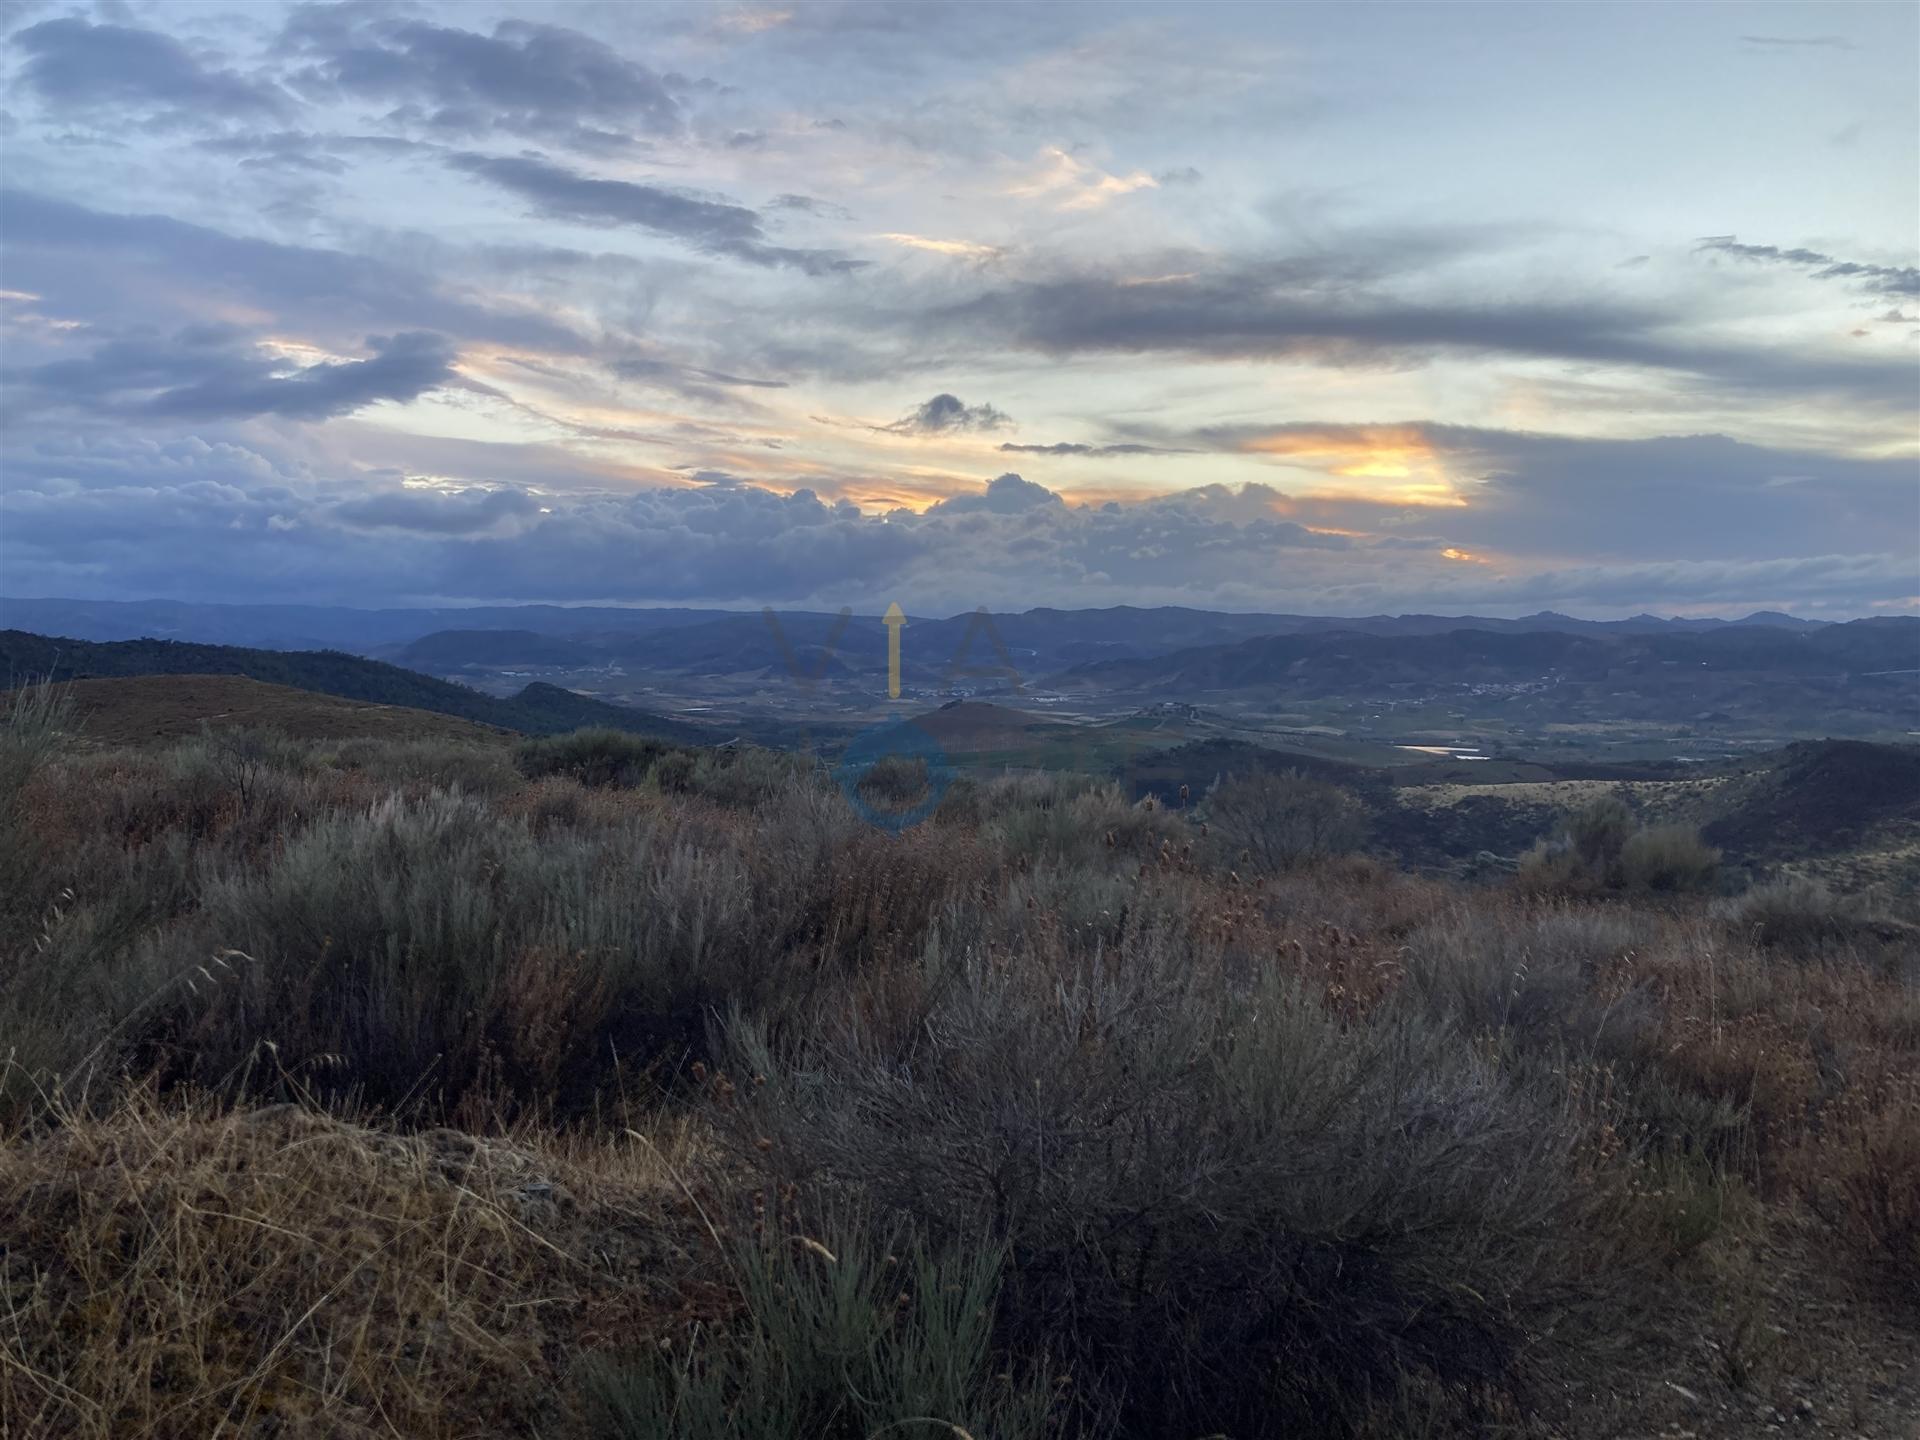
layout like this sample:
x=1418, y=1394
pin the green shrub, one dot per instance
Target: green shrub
x=1598, y=847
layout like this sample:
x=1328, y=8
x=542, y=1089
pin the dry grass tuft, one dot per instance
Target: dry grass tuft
x=181, y=1272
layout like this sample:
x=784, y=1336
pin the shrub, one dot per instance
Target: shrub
x=1531, y=972
x=1224, y=1211
x=593, y=757
x=474, y=768
x=1792, y=911
x=894, y=783
x=1862, y=1177
x=1598, y=848
x=434, y=952
x=1668, y=859
x=1284, y=819
x=1598, y=831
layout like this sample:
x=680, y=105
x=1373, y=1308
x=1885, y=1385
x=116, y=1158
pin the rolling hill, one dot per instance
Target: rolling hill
x=539, y=709
x=1341, y=660
x=492, y=648
x=144, y=709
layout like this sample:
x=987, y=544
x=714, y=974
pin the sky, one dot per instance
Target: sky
x=1355, y=309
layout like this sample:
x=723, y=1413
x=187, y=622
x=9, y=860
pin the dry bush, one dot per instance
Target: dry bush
x=1283, y=819
x=1323, y=1146
x=895, y=782
x=1598, y=848
x=1535, y=972
x=405, y=953
x=472, y=767
x=1668, y=859
x=593, y=757
x=1861, y=1175
x=185, y=1273
x=1796, y=913
x=1224, y=1208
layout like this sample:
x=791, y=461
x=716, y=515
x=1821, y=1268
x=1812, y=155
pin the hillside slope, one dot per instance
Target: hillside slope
x=537, y=710
x=1343, y=659
x=143, y=709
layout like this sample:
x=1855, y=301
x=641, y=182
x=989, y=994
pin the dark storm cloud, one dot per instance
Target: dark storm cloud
x=712, y=226
x=528, y=79
x=206, y=375
x=1067, y=447
x=1324, y=313
x=945, y=415
x=1885, y=279
x=436, y=512
x=74, y=65
x=1746, y=527
x=132, y=268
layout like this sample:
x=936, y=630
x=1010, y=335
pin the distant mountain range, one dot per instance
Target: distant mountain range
x=539, y=709
x=1341, y=662
x=1031, y=644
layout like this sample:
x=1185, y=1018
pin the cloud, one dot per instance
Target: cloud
x=1072, y=184
x=1067, y=447
x=1885, y=279
x=74, y=65
x=712, y=226
x=132, y=269
x=667, y=371
x=811, y=205
x=1799, y=42
x=205, y=375
x=947, y=415
x=542, y=81
x=960, y=249
x=1005, y=495
x=1321, y=310
x=432, y=510
x=115, y=514
x=1521, y=493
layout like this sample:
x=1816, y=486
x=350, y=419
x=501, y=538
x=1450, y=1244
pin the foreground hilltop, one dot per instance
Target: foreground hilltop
x=594, y=1087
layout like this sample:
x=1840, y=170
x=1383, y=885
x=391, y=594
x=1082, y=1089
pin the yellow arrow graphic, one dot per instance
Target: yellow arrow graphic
x=893, y=620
